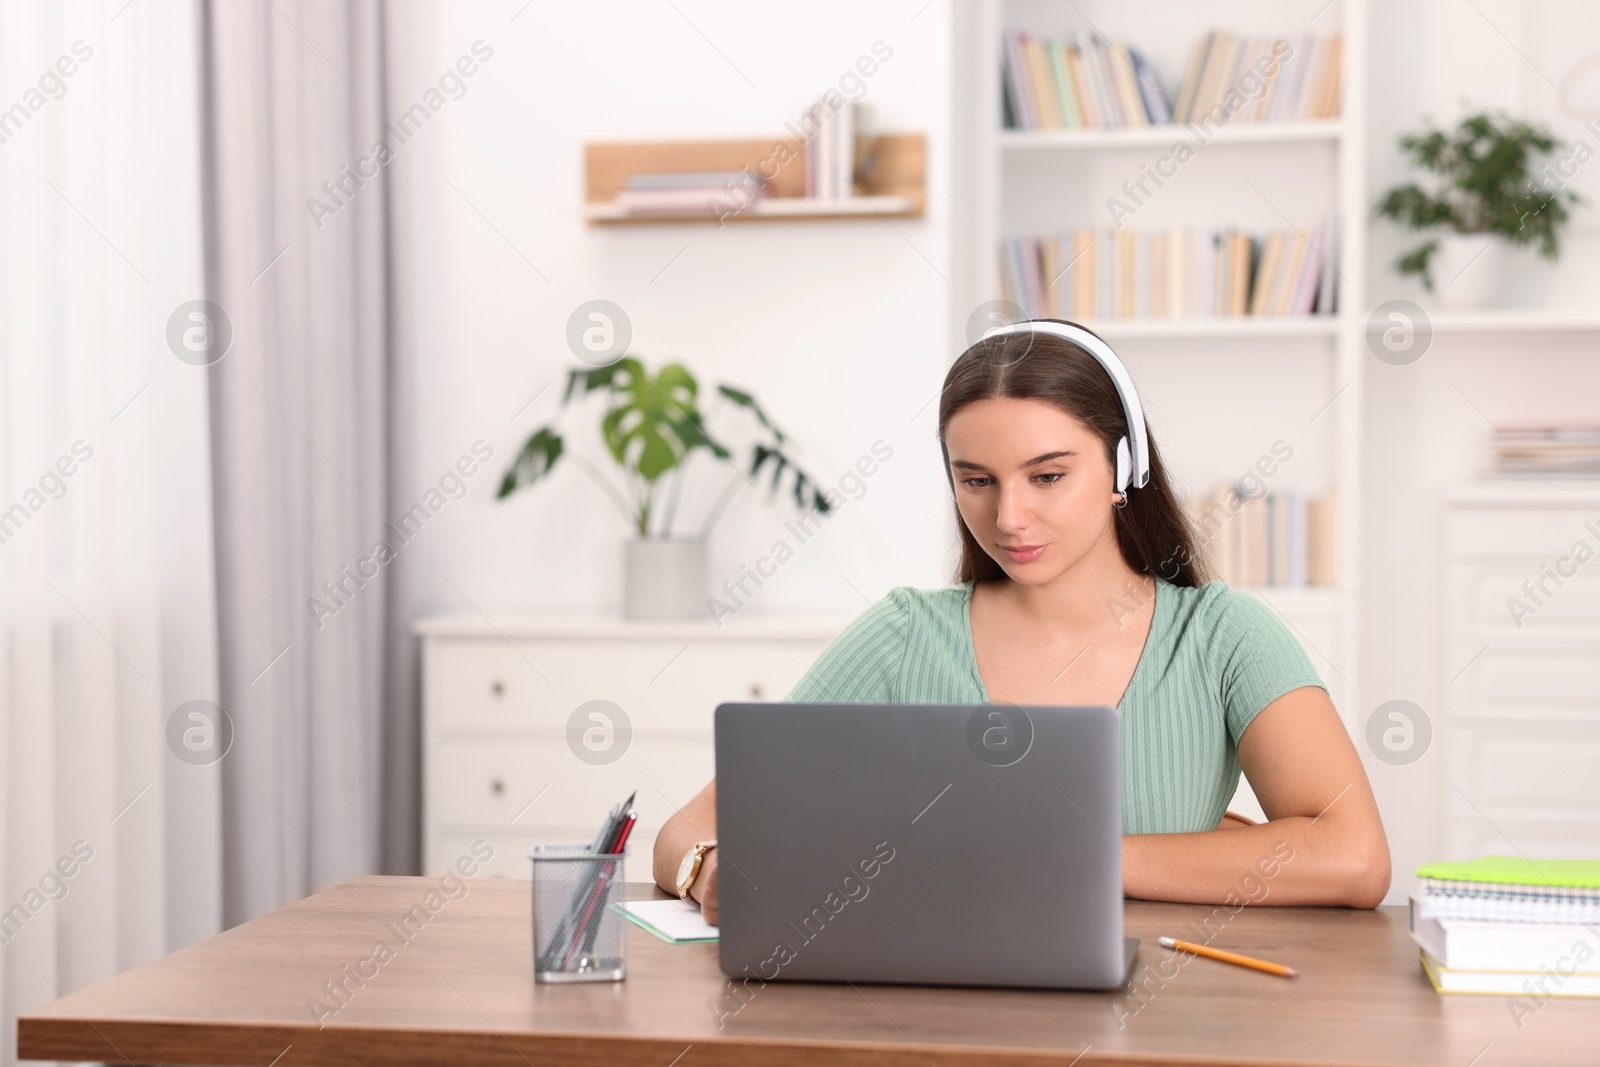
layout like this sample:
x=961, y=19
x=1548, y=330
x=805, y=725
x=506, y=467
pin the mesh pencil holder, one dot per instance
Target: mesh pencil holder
x=577, y=935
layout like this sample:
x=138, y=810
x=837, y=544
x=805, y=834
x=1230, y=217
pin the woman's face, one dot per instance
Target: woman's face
x=1032, y=484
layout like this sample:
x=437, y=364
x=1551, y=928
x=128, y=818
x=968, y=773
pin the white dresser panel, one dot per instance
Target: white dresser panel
x=493, y=684
x=498, y=763
x=1523, y=722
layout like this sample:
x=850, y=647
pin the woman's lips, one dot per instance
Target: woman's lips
x=1023, y=553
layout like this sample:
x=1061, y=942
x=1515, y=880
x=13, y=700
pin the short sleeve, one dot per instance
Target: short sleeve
x=1256, y=659
x=861, y=665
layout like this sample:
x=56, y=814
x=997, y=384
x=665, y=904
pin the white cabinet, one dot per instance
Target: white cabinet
x=1524, y=721
x=533, y=728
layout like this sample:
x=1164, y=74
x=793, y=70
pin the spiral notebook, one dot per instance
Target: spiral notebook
x=1511, y=889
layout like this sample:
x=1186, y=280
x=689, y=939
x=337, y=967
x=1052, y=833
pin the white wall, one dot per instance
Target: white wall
x=844, y=328
x=1428, y=423
x=839, y=328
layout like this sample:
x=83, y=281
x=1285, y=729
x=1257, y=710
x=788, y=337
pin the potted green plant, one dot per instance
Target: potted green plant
x=651, y=425
x=1482, y=189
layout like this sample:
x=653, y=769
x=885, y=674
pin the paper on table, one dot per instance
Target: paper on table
x=674, y=921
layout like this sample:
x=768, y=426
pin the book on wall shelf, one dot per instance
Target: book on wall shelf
x=675, y=193
x=1181, y=273
x=1542, y=450
x=1276, y=538
x=1091, y=83
x=839, y=150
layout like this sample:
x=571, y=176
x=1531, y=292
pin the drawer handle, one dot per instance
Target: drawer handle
x=497, y=687
x=755, y=690
x=497, y=786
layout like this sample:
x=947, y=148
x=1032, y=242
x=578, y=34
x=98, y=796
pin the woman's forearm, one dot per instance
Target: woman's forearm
x=1288, y=861
x=695, y=821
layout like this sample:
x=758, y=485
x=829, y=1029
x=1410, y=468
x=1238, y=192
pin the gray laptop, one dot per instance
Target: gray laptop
x=936, y=844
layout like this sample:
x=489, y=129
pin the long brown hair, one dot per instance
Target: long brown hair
x=1153, y=533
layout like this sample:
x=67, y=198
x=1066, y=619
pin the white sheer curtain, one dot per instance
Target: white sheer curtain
x=107, y=601
x=297, y=232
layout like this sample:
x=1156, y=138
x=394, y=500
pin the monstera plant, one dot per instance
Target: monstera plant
x=651, y=425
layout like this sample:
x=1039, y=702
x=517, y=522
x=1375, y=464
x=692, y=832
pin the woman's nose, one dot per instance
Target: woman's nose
x=1012, y=512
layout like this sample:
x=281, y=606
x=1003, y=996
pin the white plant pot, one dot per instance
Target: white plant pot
x=1468, y=271
x=664, y=579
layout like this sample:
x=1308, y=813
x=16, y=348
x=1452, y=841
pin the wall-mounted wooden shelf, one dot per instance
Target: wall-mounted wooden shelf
x=894, y=187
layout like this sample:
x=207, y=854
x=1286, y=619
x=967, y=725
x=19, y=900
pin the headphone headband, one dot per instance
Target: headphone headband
x=1102, y=353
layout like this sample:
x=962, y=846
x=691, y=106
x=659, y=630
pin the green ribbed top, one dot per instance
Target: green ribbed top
x=1214, y=658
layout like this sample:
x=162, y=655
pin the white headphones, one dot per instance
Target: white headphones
x=1133, y=465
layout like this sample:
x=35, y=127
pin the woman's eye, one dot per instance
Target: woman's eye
x=1051, y=477
x=975, y=483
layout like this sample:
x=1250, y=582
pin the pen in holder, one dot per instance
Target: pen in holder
x=577, y=935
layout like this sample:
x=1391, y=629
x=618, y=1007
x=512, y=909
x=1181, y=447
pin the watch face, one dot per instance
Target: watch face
x=685, y=868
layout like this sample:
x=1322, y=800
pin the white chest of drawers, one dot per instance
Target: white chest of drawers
x=533, y=727
x=1524, y=653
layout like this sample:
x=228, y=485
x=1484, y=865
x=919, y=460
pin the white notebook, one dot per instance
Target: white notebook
x=1468, y=945
x=674, y=921
x=1491, y=902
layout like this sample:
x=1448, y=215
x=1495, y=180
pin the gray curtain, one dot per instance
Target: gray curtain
x=316, y=675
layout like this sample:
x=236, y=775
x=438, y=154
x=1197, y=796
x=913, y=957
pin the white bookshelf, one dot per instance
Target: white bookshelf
x=1514, y=321
x=1166, y=135
x=1242, y=327
x=1008, y=180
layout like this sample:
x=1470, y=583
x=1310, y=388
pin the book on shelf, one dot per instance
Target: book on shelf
x=1108, y=273
x=1545, y=449
x=1092, y=83
x=1278, y=538
x=686, y=191
x=838, y=150
x=1506, y=925
x=1079, y=84
x=1260, y=79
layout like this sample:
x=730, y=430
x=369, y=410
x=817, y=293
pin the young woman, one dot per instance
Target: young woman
x=1080, y=582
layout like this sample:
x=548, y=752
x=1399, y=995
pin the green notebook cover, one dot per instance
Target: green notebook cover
x=1570, y=874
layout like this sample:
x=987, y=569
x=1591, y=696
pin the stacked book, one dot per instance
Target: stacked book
x=1546, y=449
x=1093, y=84
x=1125, y=273
x=1272, y=538
x=677, y=193
x=1527, y=929
x=837, y=153
x=1260, y=79
x=1096, y=84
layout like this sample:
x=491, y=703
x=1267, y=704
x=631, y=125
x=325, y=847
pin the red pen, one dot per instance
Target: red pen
x=583, y=934
x=627, y=828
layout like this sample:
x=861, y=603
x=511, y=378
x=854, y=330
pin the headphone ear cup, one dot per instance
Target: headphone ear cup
x=1124, y=465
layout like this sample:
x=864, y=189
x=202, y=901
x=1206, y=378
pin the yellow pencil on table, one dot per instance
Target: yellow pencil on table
x=1228, y=957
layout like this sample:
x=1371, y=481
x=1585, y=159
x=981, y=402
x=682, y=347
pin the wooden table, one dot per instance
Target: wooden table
x=461, y=991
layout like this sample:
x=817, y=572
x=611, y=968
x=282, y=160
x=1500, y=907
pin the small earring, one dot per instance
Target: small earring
x=1122, y=501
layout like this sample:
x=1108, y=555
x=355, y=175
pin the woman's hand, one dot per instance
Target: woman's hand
x=694, y=822
x=704, y=890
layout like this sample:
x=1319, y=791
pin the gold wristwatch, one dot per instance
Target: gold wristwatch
x=689, y=870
